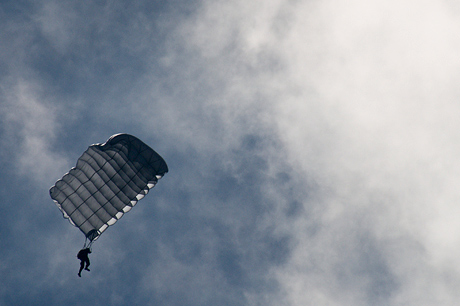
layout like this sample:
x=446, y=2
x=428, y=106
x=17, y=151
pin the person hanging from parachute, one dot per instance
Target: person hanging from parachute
x=84, y=259
x=108, y=180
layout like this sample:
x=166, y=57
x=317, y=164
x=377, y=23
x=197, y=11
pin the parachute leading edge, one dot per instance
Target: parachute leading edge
x=107, y=182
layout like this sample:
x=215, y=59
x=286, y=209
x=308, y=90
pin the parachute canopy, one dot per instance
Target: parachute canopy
x=107, y=182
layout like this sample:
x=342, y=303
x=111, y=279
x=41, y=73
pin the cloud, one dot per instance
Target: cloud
x=29, y=128
x=362, y=98
x=311, y=145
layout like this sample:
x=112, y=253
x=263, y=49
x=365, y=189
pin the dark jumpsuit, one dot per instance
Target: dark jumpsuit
x=83, y=256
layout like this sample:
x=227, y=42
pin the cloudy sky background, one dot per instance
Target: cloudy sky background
x=313, y=150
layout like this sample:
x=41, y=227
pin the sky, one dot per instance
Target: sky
x=312, y=150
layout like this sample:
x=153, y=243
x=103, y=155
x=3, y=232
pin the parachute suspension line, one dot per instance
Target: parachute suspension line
x=88, y=243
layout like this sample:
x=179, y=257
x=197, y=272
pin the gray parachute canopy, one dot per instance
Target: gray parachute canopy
x=107, y=182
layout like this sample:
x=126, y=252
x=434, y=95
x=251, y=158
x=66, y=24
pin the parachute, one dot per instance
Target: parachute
x=108, y=180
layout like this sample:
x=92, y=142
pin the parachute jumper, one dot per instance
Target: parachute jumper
x=108, y=180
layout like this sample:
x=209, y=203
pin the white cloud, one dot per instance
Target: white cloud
x=58, y=23
x=345, y=115
x=30, y=126
x=364, y=99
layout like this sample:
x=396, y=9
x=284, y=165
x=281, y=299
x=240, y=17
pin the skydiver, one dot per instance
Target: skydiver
x=83, y=256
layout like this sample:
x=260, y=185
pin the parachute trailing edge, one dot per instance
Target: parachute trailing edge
x=107, y=181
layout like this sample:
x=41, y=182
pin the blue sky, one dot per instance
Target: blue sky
x=312, y=146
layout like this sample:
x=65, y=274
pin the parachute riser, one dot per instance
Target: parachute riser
x=88, y=243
